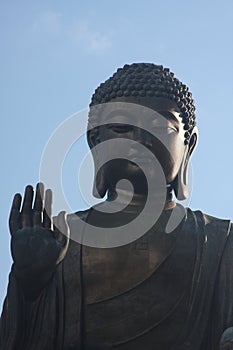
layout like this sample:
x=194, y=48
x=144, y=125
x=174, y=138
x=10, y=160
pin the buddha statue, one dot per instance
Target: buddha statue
x=154, y=290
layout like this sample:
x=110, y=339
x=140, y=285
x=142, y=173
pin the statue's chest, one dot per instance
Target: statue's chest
x=137, y=292
x=155, y=256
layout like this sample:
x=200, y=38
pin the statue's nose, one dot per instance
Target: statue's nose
x=142, y=136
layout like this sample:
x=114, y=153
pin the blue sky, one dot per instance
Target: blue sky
x=55, y=53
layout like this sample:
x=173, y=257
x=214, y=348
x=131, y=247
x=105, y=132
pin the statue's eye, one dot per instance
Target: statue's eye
x=120, y=128
x=164, y=130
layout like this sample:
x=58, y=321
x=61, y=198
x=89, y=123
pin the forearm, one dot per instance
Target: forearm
x=28, y=322
x=32, y=283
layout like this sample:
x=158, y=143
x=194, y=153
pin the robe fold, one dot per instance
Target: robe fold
x=163, y=291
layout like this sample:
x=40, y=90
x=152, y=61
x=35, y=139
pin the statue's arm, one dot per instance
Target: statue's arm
x=30, y=317
x=223, y=301
x=31, y=324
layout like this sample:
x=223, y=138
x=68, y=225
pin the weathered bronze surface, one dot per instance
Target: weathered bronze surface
x=162, y=291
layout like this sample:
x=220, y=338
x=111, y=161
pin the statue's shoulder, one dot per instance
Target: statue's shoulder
x=76, y=222
x=81, y=214
x=212, y=226
x=212, y=220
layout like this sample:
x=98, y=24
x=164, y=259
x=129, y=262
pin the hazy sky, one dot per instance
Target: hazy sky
x=55, y=53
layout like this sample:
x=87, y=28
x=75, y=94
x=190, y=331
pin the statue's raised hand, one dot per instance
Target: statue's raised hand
x=39, y=242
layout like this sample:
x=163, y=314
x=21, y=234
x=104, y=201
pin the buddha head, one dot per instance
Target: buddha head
x=137, y=94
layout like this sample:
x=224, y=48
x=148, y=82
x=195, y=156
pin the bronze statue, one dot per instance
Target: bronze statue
x=161, y=291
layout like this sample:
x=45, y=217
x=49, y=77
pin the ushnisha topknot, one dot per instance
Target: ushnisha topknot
x=148, y=80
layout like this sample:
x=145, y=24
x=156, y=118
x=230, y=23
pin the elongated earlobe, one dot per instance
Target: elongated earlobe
x=100, y=185
x=180, y=184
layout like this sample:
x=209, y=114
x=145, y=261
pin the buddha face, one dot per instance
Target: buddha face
x=156, y=126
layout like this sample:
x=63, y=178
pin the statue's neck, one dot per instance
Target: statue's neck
x=138, y=200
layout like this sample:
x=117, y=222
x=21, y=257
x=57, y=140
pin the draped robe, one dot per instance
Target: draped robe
x=162, y=291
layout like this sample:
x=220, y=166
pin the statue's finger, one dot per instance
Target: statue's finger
x=47, y=215
x=14, y=219
x=61, y=228
x=38, y=205
x=28, y=197
x=39, y=199
x=27, y=207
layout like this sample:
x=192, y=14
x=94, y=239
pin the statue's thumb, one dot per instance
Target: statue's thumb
x=62, y=231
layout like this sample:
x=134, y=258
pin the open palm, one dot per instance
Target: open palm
x=39, y=242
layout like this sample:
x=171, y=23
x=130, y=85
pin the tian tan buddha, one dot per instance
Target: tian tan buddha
x=124, y=274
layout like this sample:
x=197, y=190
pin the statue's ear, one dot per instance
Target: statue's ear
x=100, y=185
x=93, y=137
x=180, y=184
